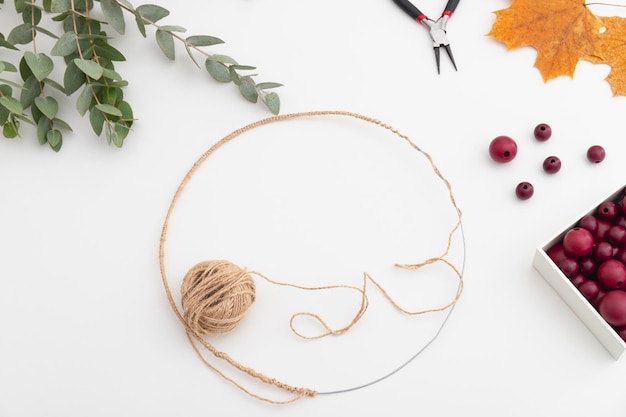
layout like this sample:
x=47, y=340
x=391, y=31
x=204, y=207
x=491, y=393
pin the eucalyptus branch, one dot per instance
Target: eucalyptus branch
x=89, y=60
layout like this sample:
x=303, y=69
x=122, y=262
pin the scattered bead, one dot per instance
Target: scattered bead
x=502, y=149
x=596, y=154
x=543, y=132
x=552, y=164
x=524, y=190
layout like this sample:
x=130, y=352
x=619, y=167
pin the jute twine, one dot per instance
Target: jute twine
x=216, y=295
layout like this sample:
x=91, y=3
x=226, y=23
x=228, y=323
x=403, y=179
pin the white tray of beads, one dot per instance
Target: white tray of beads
x=585, y=265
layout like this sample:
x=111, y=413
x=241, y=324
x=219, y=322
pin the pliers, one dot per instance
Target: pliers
x=436, y=28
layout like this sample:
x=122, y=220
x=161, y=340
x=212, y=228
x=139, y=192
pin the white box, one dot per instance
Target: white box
x=572, y=297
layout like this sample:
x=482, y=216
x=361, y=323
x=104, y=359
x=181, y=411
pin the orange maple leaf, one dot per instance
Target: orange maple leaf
x=612, y=52
x=562, y=31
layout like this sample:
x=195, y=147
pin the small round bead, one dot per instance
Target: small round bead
x=543, y=132
x=502, y=149
x=524, y=190
x=596, y=154
x=552, y=164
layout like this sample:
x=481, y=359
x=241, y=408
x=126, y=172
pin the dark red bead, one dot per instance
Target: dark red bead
x=604, y=251
x=588, y=266
x=542, y=132
x=569, y=266
x=557, y=253
x=608, y=210
x=524, y=190
x=596, y=154
x=502, y=149
x=552, y=164
x=589, y=289
x=616, y=235
x=589, y=222
x=612, y=274
x=603, y=228
x=577, y=279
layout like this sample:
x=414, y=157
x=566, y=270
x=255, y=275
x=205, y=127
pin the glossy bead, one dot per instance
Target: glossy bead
x=612, y=274
x=588, y=266
x=578, y=242
x=577, y=279
x=604, y=251
x=613, y=308
x=589, y=289
x=542, y=132
x=556, y=253
x=589, y=222
x=569, y=267
x=524, y=190
x=616, y=235
x=596, y=154
x=608, y=210
x=603, y=228
x=552, y=164
x=502, y=149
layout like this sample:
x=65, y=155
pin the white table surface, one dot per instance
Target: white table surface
x=85, y=327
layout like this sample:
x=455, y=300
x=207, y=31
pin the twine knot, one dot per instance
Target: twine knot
x=216, y=296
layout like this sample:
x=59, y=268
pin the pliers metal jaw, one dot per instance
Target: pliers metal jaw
x=438, y=34
x=436, y=28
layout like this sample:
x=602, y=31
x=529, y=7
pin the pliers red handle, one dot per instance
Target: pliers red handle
x=436, y=28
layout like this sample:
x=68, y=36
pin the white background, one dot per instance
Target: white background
x=85, y=327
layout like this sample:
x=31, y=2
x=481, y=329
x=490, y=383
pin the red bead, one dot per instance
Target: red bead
x=542, y=132
x=502, y=149
x=616, y=235
x=578, y=242
x=524, y=190
x=589, y=222
x=569, y=267
x=612, y=274
x=596, y=154
x=557, y=253
x=608, y=210
x=613, y=308
x=604, y=250
x=552, y=164
x=589, y=289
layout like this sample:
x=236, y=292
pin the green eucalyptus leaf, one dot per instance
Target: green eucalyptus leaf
x=10, y=130
x=218, y=71
x=48, y=106
x=96, y=119
x=83, y=102
x=23, y=118
x=127, y=113
x=272, y=101
x=203, y=40
x=236, y=78
x=166, y=43
x=114, y=14
x=11, y=83
x=6, y=44
x=109, y=95
x=4, y=115
x=152, y=13
x=46, y=32
x=66, y=45
x=127, y=4
x=54, y=85
x=6, y=90
x=60, y=6
x=172, y=28
x=248, y=90
x=54, y=137
x=109, y=109
x=140, y=24
x=113, y=136
x=21, y=34
x=25, y=71
x=224, y=59
x=47, y=5
x=43, y=127
x=62, y=123
x=40, y=64
x=30, y=14
x=90, y=68
x=73, y=78
x=267, y=86
x=243, y=67
x=11, y=104
x=104, y=50
x=193, y=59
x=31, y=89
x=111, y=75
x=19, y=5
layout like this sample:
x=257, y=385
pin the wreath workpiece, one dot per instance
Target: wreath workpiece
x=216, y=294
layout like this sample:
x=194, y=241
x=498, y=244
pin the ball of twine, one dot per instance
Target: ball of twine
x=216, y=296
